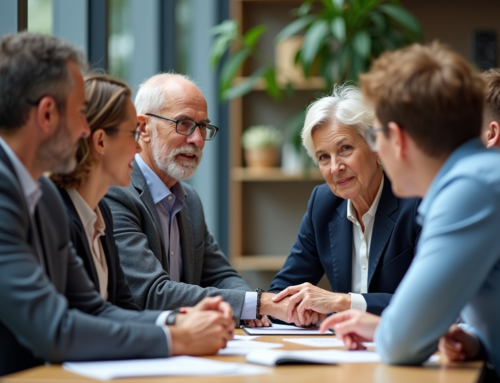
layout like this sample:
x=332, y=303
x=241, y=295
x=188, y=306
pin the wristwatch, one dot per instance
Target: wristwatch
x=259, y=292
x=170, y=321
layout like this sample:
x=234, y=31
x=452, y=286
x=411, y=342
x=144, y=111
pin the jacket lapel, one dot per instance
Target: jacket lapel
x=382, y=227
x=341, y=249
x=139, y=183
x=187, y=246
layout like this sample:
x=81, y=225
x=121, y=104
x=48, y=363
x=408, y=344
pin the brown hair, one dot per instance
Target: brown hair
x=492, y=99
x=430, y=92
x=107, y=108
x=33, y=66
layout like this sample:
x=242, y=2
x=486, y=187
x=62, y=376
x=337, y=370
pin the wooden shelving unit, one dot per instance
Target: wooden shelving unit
x=266, y=205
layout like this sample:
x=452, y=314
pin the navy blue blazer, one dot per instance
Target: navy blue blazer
x=324, y=245
x=118, y=290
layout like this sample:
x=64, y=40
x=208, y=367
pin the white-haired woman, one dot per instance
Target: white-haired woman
x=355, y=230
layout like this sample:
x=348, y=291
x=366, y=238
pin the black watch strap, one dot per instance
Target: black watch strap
x=259, y=292
x=170, y=321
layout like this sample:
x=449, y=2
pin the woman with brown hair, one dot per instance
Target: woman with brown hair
x=104, y=159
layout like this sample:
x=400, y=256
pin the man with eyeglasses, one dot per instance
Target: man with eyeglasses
x=169, y=257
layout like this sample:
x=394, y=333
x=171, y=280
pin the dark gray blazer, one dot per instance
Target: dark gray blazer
x=139, y=237
x=57, y=315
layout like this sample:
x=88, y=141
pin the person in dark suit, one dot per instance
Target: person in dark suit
x=49, y=309
x=168, y=255
x=355, y=230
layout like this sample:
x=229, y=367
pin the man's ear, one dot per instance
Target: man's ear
x=47, y=115
x=493, y=135
x=398, y=140
x=144, y=128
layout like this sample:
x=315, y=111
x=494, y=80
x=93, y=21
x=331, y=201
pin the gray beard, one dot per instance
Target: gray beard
x=167, y=163
x=58, y=154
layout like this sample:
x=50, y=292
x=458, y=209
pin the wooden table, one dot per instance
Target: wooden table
x=441, y=372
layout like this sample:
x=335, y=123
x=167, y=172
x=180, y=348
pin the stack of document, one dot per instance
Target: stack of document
x=244, y=347
x=277, y=357
x=179, y=365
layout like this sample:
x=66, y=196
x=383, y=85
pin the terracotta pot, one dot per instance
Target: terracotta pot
x=261, y=158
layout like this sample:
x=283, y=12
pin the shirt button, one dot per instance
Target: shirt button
x=169, y=197
x=171, y=253
x=364, y=267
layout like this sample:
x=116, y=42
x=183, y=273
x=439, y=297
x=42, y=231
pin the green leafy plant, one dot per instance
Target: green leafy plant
x=341, y=36
x=345, y=35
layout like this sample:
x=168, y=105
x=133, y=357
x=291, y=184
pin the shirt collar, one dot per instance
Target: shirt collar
x=92, y=220
x=351, y=211
x=462, y=151
x=159, y=191
x=31, y=188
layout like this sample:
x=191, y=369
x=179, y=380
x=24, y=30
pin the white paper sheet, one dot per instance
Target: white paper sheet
x=322, y=342
x=281, y=329
x=180, y=365
x=245, y=337
x=238, y=347
x=276, y=357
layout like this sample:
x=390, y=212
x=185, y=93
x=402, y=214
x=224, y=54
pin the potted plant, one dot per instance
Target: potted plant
x=260, y=144
x=341, y=37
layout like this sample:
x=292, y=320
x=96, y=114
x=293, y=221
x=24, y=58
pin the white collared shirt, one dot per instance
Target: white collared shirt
x=361, y=250
x=94, y=227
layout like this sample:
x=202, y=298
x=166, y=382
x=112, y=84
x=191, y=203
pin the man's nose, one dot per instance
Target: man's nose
x=196, y=138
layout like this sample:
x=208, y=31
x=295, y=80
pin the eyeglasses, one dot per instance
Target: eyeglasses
x=136, y=133
x=371, y=137
x=186, y=127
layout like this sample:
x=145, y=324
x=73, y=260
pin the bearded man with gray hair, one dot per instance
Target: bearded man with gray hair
x=169, y=257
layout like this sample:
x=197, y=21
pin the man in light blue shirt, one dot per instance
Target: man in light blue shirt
x=429, y=105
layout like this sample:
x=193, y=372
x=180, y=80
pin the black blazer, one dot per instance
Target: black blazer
x=118, y=291
x=56, y=315
x=324, y=246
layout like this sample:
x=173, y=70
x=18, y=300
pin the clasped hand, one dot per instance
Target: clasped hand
x=308, y=304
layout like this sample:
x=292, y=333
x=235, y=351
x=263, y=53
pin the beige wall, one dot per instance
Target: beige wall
x=452, y=21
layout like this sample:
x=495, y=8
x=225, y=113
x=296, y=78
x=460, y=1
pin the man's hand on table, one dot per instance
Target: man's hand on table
x=458, y=344
x=307, y=298
x=264, y=322
x=353, y=327
x=279, y=310
x=202, y=329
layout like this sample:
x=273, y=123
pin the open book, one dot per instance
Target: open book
x=278, y=357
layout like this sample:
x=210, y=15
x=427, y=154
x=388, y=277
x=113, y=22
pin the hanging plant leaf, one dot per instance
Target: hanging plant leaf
x=313, y=39
x=231, y=67
x=338, y=3
x=295, y=27
x=272, y=87
x=338, y=28
x=362, y=44
x=244, y=87
x=403, y=17
x=252, y=36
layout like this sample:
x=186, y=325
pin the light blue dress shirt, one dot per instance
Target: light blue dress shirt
x=456, y=270
x=168, y=203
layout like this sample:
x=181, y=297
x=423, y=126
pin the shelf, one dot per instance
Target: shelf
x=259, y=262
x=273, y=175
x=312, y=83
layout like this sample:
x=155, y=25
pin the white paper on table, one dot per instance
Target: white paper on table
x=322, y=342
x=245, y=337
x=282, y=329
x=179, y=365
x=237, y=347
x=277, y=357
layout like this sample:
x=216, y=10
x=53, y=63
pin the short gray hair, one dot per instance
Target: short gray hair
x=32, y=66
x=344, y=106
x=150, y=97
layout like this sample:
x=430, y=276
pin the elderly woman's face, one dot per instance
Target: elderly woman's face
x=348, y=165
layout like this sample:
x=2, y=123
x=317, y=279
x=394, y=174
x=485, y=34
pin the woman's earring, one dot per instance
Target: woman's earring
x=379, y=161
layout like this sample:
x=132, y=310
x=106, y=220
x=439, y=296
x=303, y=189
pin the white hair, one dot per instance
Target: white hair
x=345, y=106
x=150, y=97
